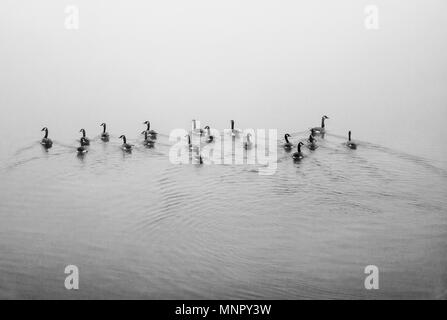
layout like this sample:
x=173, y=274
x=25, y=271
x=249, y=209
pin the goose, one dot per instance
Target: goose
x=288, y=145
x=46, y=142
x=209, y=137
x=320, y=130
x=298, y=155
x=125, y=146
x=312, y=145
x=104, y=134
x=248, y=144
x=190, y=145
x=234, y=132
x=147, y=141
x=196, y=130
x=349, y=143
x=151, y=133
x=82, y=149
x=312, y=137
x=85, y=141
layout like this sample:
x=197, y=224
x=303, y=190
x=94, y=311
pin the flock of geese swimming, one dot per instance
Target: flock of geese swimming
x=312, y=141
x=150, y=136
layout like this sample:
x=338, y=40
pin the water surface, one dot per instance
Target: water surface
x=138, y=226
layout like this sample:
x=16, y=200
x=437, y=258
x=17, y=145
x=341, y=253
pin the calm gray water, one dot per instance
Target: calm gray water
x=138, y=226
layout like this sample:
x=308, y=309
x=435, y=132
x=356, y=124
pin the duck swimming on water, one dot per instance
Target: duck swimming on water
x=209, y=137
x=82, y=149
x=85, y=141
x=147, y=141
x=104, y=134
x=125, y=146
x=151, y=133
x=46, y=142
x=298, y=155
x=288, y=145
x=322, y=129
x=349, y=143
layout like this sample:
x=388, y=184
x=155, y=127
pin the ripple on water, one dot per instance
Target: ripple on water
x=223, y=231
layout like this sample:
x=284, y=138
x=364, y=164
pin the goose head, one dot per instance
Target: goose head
x=124, y=138
x=45, y=129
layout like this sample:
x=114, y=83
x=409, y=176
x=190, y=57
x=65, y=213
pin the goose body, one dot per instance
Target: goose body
x=298, y=155
x=209, y=137
x=82, y=149
x=312, y=142
x=288, y=145
x=104, y=135
x=248, y=144
x=151, y=133
x=349, y=143
x=312, y=146
x=46, y=142
x=125, y=146
x=322, y=129
x=148, y=141
x=85, y=141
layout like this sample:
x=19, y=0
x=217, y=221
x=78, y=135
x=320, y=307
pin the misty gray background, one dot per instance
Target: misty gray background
x=267, y=64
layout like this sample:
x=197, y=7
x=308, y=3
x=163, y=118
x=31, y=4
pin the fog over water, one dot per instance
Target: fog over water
x=139, y=226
